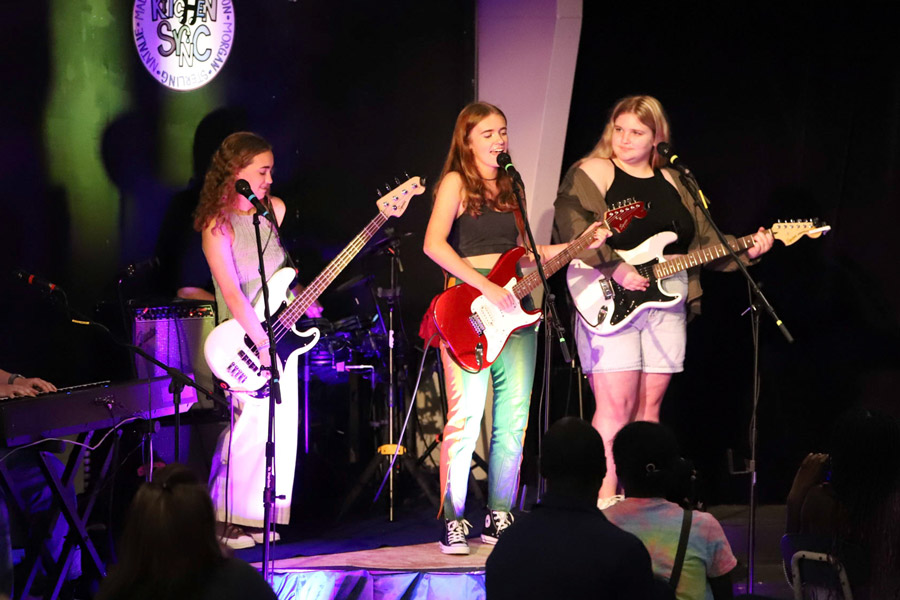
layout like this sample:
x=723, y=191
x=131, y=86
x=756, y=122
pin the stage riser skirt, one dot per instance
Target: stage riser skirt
x=361, y=584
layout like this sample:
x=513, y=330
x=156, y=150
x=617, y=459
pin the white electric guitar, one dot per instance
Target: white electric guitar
x=475, y=330
x=233, y=357
x=607, y=307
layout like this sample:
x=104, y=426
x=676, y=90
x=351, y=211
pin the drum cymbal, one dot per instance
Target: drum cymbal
x=353, y=282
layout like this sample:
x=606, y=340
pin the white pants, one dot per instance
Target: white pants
x=246, y=477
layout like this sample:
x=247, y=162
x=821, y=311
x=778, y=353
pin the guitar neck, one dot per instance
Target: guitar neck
x=700, y=257
x=309, y=295
x=552, y=265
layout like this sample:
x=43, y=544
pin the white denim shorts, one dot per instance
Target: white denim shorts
x=653, y=342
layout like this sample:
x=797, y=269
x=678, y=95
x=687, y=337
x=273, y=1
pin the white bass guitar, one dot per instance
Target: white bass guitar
x=232, y=355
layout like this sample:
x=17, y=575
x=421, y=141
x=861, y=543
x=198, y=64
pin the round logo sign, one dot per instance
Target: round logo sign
x=183, y=43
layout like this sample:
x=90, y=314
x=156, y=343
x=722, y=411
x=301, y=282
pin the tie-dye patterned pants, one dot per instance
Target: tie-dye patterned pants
x=512, y=375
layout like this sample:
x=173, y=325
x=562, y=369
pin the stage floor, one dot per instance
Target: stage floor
x=417, y=557
x=417, y=571
x=388, y=567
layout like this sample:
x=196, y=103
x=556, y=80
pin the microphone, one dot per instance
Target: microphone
x=135, y=268
x=31, y=279
x=665, y=149
x=505, y=163
x=243, y=188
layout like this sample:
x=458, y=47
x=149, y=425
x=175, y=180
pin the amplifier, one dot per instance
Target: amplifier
x=174, y=334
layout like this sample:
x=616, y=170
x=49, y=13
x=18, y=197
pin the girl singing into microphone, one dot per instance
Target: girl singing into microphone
x=475, y=219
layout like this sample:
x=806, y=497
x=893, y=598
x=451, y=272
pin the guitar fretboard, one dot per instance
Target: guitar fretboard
x=700, y=257
x=552, y=265
x=299, y=306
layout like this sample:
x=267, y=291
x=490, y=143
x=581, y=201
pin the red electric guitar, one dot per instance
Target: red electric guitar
x=475, y=330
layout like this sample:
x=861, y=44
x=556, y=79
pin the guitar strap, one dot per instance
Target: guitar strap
x=520, y=225
x=277, y=230
x=520, y=220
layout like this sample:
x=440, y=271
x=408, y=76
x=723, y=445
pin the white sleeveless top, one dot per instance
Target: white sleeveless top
x=246, y=260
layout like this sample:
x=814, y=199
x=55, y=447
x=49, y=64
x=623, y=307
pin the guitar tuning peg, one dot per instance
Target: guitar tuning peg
x=406, y=174
x=387, y=187
x=396, y=181
x=378, y=193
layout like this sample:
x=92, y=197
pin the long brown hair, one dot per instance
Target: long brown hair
x=650, y=112
x=217, y=196
x=169, y=547
x=461, y=159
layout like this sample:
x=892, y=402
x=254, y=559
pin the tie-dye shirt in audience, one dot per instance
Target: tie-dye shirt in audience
x=657, y=523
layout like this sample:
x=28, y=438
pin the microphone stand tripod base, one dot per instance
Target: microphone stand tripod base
x=383, y=456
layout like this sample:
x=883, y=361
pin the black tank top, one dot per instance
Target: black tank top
x=665, y=211
x=488, y=233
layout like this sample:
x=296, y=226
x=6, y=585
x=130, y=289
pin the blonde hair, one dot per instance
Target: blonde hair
x=217, y=196
x=648, y=111
x=461, y=159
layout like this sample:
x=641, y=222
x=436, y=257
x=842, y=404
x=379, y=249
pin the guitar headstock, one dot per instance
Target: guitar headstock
x=394, y=203
x=791, y=231
x=620, y=215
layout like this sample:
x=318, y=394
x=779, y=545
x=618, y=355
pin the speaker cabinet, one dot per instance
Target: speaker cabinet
x=174, y=334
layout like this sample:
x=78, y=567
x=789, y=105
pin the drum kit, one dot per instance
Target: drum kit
x=347, y=345
x=360, y=346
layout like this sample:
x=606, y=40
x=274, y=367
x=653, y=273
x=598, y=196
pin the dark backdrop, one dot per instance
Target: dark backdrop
x=783, y=113
x=351, y=95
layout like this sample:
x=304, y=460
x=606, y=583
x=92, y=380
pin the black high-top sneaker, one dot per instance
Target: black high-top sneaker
x=454, y=539
x=495, y=523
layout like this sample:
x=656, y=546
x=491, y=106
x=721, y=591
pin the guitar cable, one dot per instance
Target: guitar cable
x=72, y=442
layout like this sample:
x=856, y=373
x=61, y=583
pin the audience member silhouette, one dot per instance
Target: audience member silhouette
x=169, y=547
x=566, y=548
x=649, y=467
x=848, y=503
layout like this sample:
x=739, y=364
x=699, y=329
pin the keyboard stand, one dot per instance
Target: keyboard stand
x=38, y=550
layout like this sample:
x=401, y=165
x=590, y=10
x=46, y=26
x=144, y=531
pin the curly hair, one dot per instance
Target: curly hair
x=648, y=111
x=461, y=159
x=217, y=196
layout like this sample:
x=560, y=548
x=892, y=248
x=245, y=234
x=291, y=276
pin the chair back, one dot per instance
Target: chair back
x=791, y=543
x=819, y=576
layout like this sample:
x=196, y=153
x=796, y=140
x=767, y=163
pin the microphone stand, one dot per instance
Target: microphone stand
x=552, y=325
x=392, y=385
x=269, y=492
x=758, y=299
x=178, y=381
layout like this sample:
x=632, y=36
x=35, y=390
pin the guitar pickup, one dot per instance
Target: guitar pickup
x=606, y=287
x=476, y=323
x=248, y=361
x=236, y=372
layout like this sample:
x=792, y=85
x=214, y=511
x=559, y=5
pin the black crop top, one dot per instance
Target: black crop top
x=665, y=211
x=488, y=233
